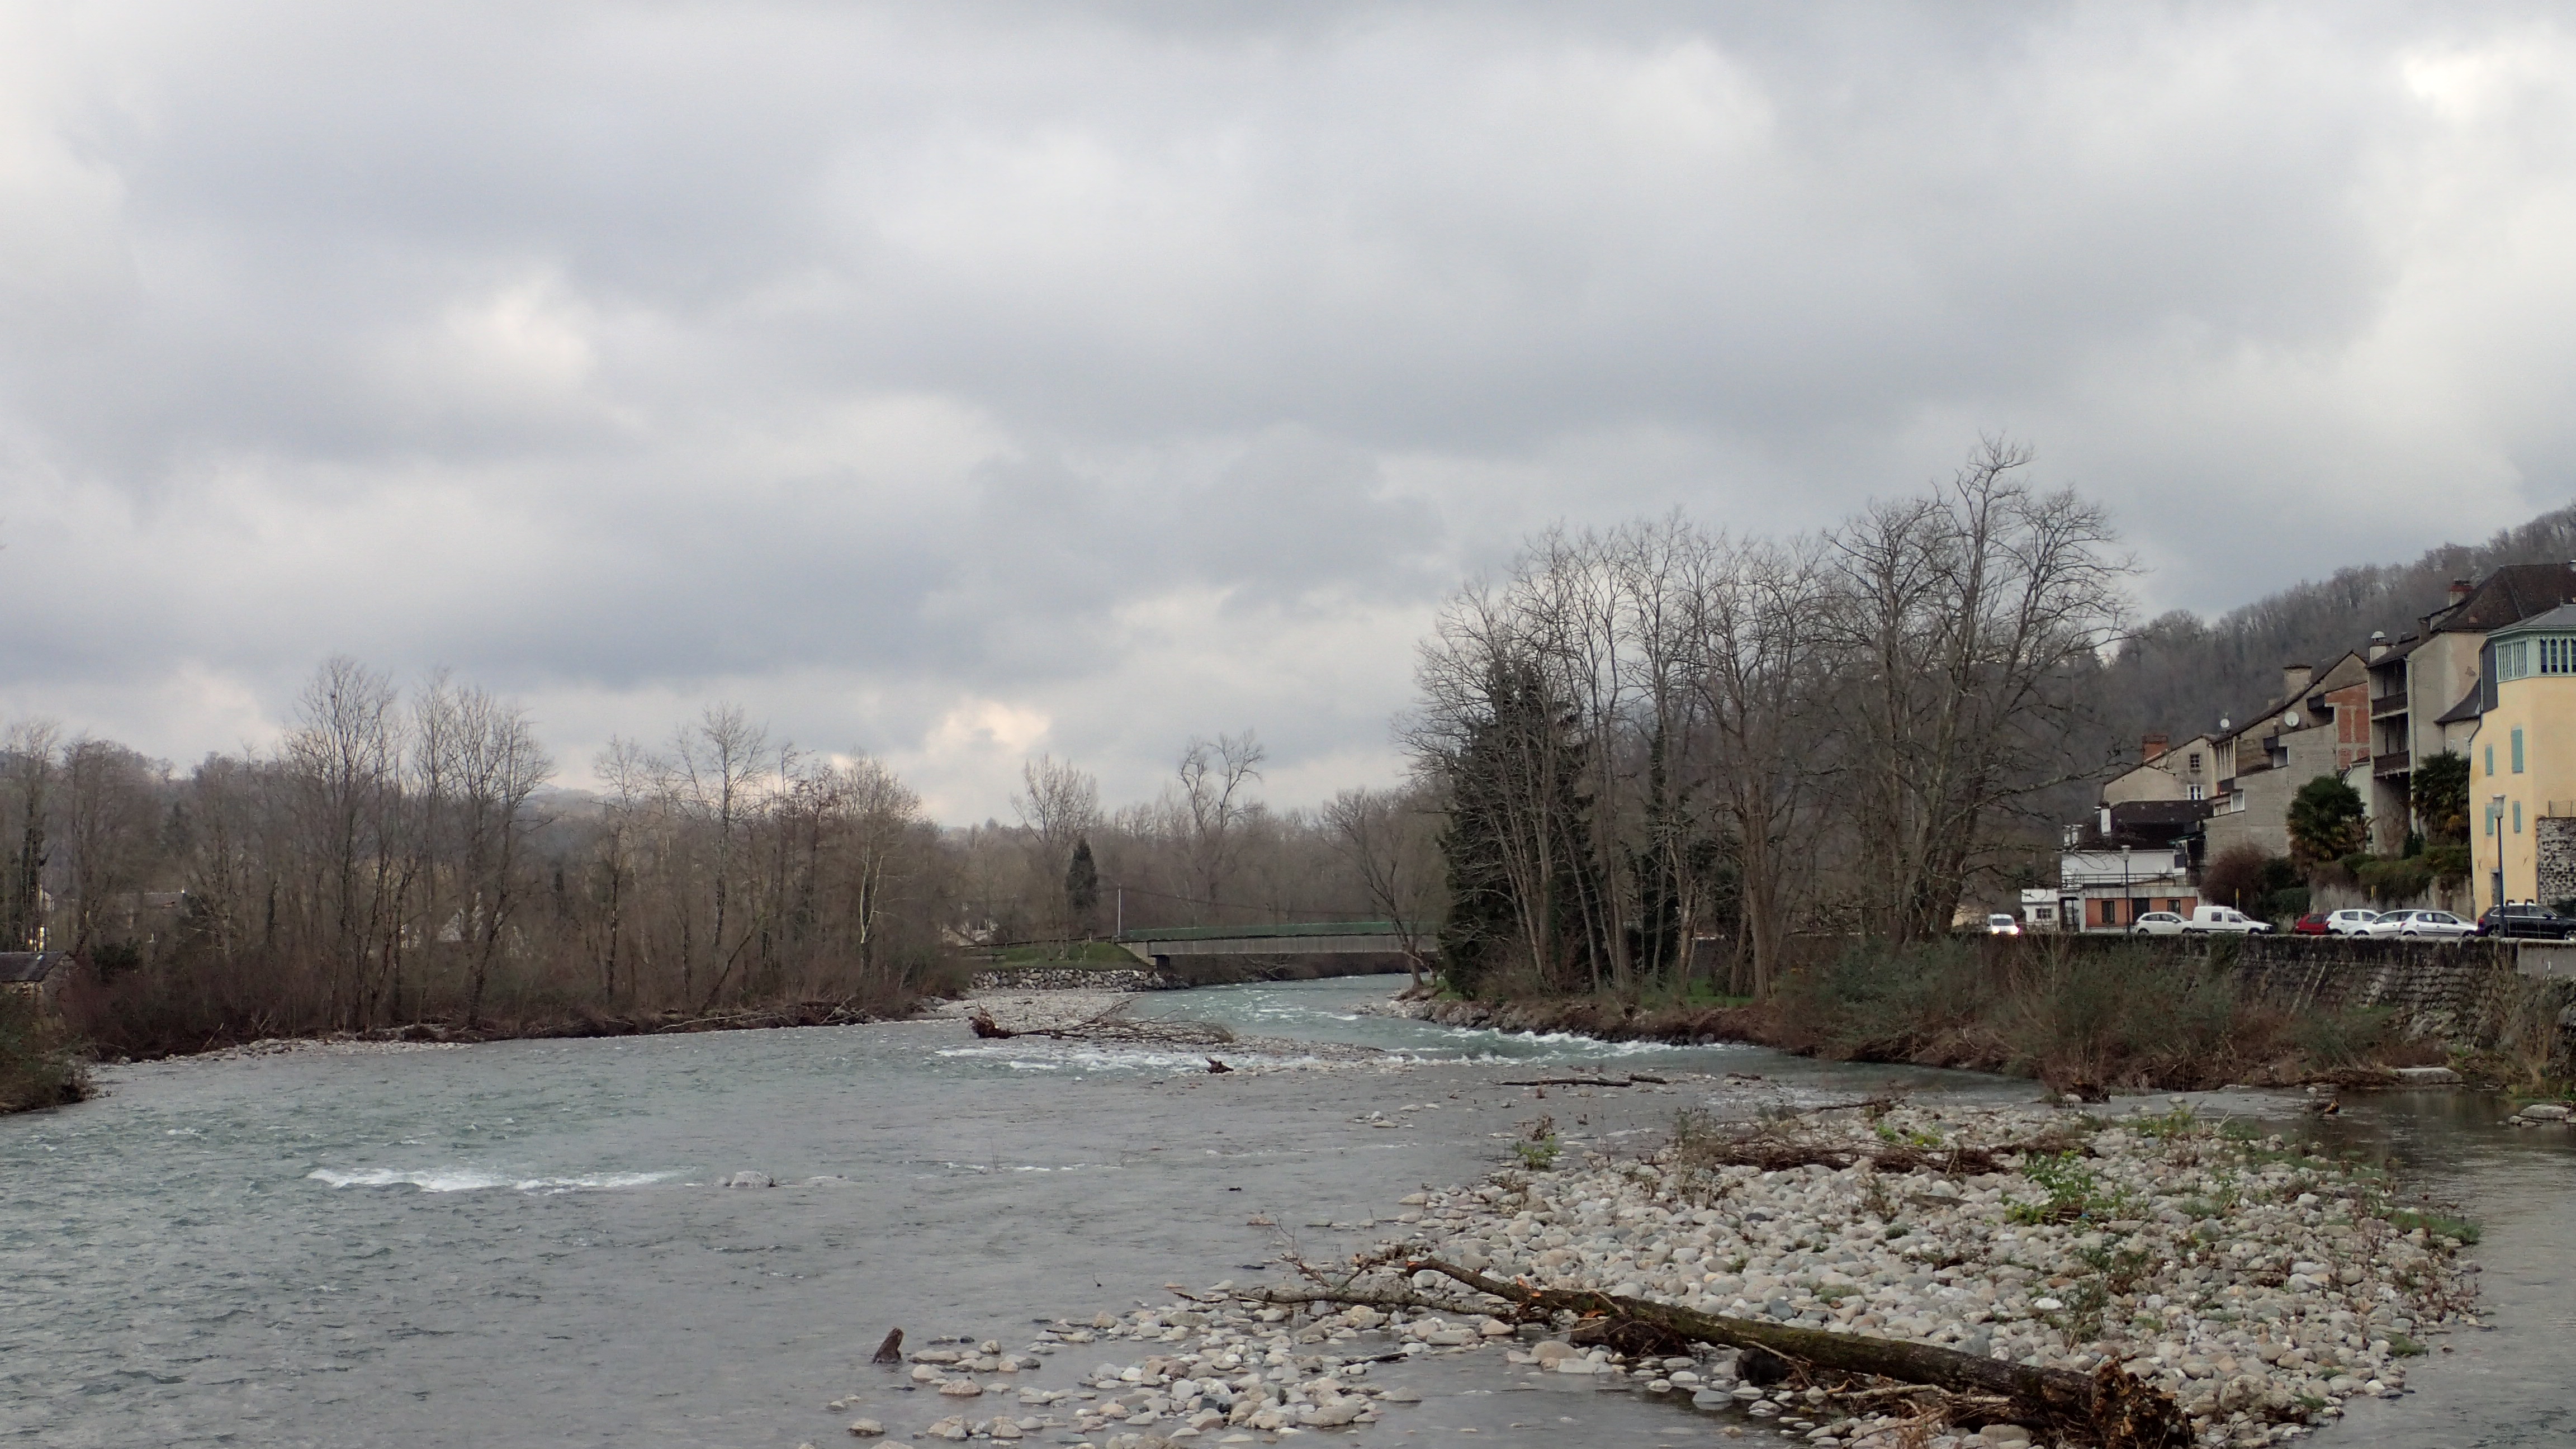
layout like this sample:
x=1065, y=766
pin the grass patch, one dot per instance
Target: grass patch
x=2435, y=1224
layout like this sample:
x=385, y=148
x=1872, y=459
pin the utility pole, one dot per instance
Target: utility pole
x=1122, y=914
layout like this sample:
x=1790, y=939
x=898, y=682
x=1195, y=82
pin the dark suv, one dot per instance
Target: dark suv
x=2538, y=922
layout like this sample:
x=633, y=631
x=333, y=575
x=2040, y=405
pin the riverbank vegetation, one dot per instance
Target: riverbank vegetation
x=414, y=863
x=37, y=1065
x=2121, y=1015
x=1662, y=735
x=398, y=865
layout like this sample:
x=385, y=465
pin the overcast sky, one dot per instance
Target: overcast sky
x=963, y=381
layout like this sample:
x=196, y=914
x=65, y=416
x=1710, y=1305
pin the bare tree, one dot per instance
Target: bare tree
x=712, y=776
x=346, y=755
x=110, y=815
x=30, y=750
x=1058, y=805
x=1763, y=670
x=499, y=766
x=1968, y=618
x=625, y=771
x=1212, y=781
x=1388, y=836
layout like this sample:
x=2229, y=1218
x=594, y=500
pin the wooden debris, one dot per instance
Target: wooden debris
x=2110, y=1408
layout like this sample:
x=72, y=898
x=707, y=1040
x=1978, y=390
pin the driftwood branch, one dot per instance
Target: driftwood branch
x=1634, y=1079
x=2110, y=1408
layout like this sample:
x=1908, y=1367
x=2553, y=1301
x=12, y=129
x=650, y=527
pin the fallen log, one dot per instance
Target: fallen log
x=1635, y=1079
x=2110, y=1408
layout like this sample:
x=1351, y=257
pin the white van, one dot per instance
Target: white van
x=2223, y=920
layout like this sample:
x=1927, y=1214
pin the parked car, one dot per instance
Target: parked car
x=2157, y=923
x=2311, y=924
x=2000, y=924
x=2414, y=925
x=2536, y=922
x=2224, y=920
x=2350, y=922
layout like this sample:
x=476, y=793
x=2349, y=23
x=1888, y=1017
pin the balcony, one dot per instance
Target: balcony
x=2387, y=704
x=2399, y=763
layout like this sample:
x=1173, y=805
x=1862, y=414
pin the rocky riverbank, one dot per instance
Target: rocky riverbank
x=2260, y=1287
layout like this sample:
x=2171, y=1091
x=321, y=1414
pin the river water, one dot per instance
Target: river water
x=521, y=1243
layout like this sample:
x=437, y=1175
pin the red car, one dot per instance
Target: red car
x=2313, y=924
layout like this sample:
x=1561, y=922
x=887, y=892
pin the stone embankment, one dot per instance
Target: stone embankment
x=1076, y=978
x=2260, y=1287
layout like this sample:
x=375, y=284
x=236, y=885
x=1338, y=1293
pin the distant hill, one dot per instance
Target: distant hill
x=2181, y=674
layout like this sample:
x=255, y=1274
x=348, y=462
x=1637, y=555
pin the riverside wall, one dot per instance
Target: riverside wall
x=2457, y=990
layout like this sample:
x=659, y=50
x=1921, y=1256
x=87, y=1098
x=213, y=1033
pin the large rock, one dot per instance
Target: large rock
x=866, y=1428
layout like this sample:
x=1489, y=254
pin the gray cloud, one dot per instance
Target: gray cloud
x=960, y=381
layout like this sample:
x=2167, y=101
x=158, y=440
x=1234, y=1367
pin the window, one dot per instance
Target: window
x=2558, y=656
x=2517, y=817
x=2490, y=760
x=2195, y=791
x=2517, y=749
x=2195, y=766
x=2513, y=660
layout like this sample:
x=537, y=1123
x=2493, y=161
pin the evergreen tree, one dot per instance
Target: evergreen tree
x=1082, y=888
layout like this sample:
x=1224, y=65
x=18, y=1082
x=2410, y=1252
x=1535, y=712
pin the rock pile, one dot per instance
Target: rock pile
x=2260, y=1286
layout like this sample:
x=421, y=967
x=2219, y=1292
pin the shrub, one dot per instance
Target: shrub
x=2390, y=881
x=37, y=1067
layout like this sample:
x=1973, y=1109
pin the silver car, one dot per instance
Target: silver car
x=2157, y=923
x=2416, y=925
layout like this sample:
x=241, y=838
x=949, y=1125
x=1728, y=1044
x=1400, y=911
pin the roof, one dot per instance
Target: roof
x=2510, y=595
x=28, y=967
x=2148, y=815
x=2397, y=651
x=2148, y=823
x=2467, y=708
x=2561, y=618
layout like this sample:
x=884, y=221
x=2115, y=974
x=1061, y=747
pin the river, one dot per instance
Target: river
x=521, y=1243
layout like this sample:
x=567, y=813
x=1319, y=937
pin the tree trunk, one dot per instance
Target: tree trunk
x=2111, y=1407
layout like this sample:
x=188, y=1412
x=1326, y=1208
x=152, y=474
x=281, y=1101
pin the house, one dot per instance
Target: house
x=2186, y=771
x=2132, y=857
x=2522, y=763
x=2424, y=688
x=2320, y=724
x=35, y=974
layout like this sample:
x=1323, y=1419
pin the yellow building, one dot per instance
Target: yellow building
x=2522, y=764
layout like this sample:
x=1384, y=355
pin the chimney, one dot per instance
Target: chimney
x=2294, y=681
x=2378, y=644
x=2106, y=822
x=2460, y=590
x=2152, y=748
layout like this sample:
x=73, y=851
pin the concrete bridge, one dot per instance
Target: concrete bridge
x=1158, y=945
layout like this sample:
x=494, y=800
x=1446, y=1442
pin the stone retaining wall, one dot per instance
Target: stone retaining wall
x=1076, y=978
